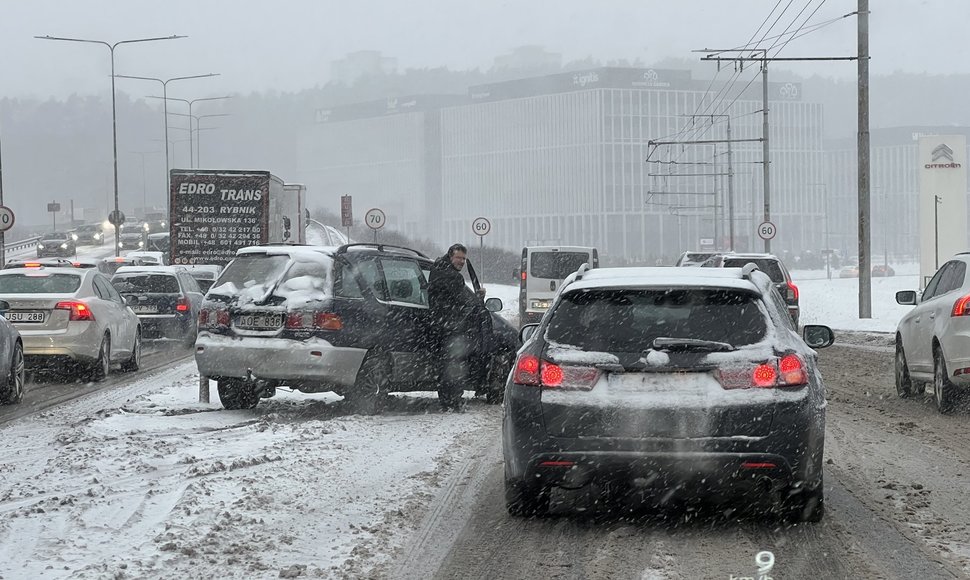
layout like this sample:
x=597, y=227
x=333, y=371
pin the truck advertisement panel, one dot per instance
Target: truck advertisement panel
x=214, y=213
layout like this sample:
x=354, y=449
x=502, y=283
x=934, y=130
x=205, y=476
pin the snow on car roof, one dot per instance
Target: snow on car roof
x=663, y=276
x=312, y=252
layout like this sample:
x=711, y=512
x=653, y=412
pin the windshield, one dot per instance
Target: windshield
x=629, y=320
x=39, y=283
x=151, y=283
x=54, y=237
x=556, y=265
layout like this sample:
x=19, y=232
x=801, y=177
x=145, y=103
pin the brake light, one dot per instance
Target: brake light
x=328, y=321
x=79, y=311
x=213, y=317
x=792, y=292
x=551, y=375
x=961, y=307
x=310, y=320
x=182, y=305
x=32, y=265
x=524, y=275
x=789, y=371
x=526, y=370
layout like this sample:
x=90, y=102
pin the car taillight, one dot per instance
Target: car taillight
x=792, y=292
x=529, y=370
x=789, y=371
x=183, y=305
x=213, y=317
x=313, y=320
x=961, y=307
x=79, y=310
x=526, y=370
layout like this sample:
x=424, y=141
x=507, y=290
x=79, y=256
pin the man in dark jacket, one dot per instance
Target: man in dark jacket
x=458, y=316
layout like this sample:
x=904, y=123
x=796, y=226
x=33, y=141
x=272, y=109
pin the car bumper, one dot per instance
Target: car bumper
x=78, y=343
x=956, y=348
x=315, y=361
x=164, y=326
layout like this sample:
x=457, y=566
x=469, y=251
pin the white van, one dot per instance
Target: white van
x=543, y=270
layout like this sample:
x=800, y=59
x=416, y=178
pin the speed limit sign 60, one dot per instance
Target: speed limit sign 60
x=767, y=230
x=375, y=219
x=481, y=226
x=6, y=218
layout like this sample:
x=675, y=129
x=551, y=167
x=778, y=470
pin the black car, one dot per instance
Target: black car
x=56, y=244
x=354, y=320
x=770, y=265
x=165, y=298
x=670, y=382
x=89, y=234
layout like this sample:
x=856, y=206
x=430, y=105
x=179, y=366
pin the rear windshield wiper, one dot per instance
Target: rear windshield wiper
x=689, y=344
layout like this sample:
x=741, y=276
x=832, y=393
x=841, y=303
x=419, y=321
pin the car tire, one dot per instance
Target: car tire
x=102, y=366
x=501, y=366
x=237, y=394
x=807, y=505
x=904, y=383
x=134, y=363
x=942, y=387
x=16, y=380
x=369, y=393
x=524, y=499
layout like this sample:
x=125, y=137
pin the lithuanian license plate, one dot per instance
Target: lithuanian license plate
x=260, y=321
x=26, y=316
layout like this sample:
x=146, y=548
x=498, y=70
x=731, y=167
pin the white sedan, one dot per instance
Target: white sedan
x=73, y=316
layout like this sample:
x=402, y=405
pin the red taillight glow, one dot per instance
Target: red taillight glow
x=79, y=310
x=526, y=370
x=758, y=465
x=551, y=375
x=961, y=307
x=313, y=320
x=32, y=265
x=210, y=318
x=524, y=275
x=793, y=371
x=182, y=305
x=764, y=375
x=328, y=321
x=793, y=291
x=557, y=464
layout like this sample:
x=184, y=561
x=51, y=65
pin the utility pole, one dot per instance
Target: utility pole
x=764, y=145
x=865, y=261
x=730, y=177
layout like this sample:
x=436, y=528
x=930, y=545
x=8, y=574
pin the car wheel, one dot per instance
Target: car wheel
x=370, y=389
x=495, y=392
x=102, y=366
x=134, y=363
x=524, y=499
x=942, y=387
x=17, y=379
x=904, y=384
x=237, y=394
x=807, y=505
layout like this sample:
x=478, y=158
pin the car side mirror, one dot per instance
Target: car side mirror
x=130, y=299
x=493, y=304
x=818, y=336
x=907, y=298
x=4, y=306
x=528, y=331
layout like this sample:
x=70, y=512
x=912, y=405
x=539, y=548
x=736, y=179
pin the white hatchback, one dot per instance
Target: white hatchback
x=933, y=340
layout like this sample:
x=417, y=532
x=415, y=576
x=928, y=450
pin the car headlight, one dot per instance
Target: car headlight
x=74, y=237
x=141, y=244
x=97, y=236
x=146, y=227
x=64, y=246
x=40, y=246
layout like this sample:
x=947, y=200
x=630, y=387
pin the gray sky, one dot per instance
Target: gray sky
x=288, y=45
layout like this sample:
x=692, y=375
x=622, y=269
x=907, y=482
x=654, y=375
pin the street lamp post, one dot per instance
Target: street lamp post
x=144, y=194
x=114, y=115
x=825, y=210
x=198, y=129
x=164, y=82
x=190, y=103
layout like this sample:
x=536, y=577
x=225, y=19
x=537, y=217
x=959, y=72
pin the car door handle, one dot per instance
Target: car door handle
x=933, y=316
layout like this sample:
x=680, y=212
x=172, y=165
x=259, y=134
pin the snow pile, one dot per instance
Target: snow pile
x=163, y=486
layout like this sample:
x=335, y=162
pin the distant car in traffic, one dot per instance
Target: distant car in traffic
x=849, y=271
x=71, y=317
x=165, y=298
x=89, y=234
x=132, y=239
x=204, y=274
x=40, y=262
x=56, y=244
x=770, y=265
x=883, y=271
x=12, y=367
x=694, y=258
x=149, y=258
x=108, y=266
x=932, y=338
x=667, y=381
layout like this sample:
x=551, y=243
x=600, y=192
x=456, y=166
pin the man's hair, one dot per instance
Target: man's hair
x=457, y=248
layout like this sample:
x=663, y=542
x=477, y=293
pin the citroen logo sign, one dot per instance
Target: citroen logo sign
x=942, y=151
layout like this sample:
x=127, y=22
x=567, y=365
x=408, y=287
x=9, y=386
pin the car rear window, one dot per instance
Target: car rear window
x=150, y=283
x=253, y=269
x=628, y=320
x=556, y=265
x=39, y=283
x=769, y=267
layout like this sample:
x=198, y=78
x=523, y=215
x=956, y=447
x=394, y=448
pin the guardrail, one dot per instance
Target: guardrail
x=21, y=245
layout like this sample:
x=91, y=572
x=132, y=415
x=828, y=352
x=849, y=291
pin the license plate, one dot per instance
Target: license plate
x=140, y=309
x=25, y=316
x=260, y=321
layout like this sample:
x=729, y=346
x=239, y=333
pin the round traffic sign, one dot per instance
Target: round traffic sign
x=116, y=218
x=767, y=230
x=481, y=226
x=6, y=218
x=375, y=219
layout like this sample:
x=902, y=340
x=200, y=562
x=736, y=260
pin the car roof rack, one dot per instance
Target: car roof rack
x=747, y=269
x=379, y=247
x=585, y=267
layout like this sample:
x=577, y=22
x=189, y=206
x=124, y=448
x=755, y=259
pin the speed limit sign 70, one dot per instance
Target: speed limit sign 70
x=481, y=226
x=375, y=219
x=767, y=230
x=6, y=218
